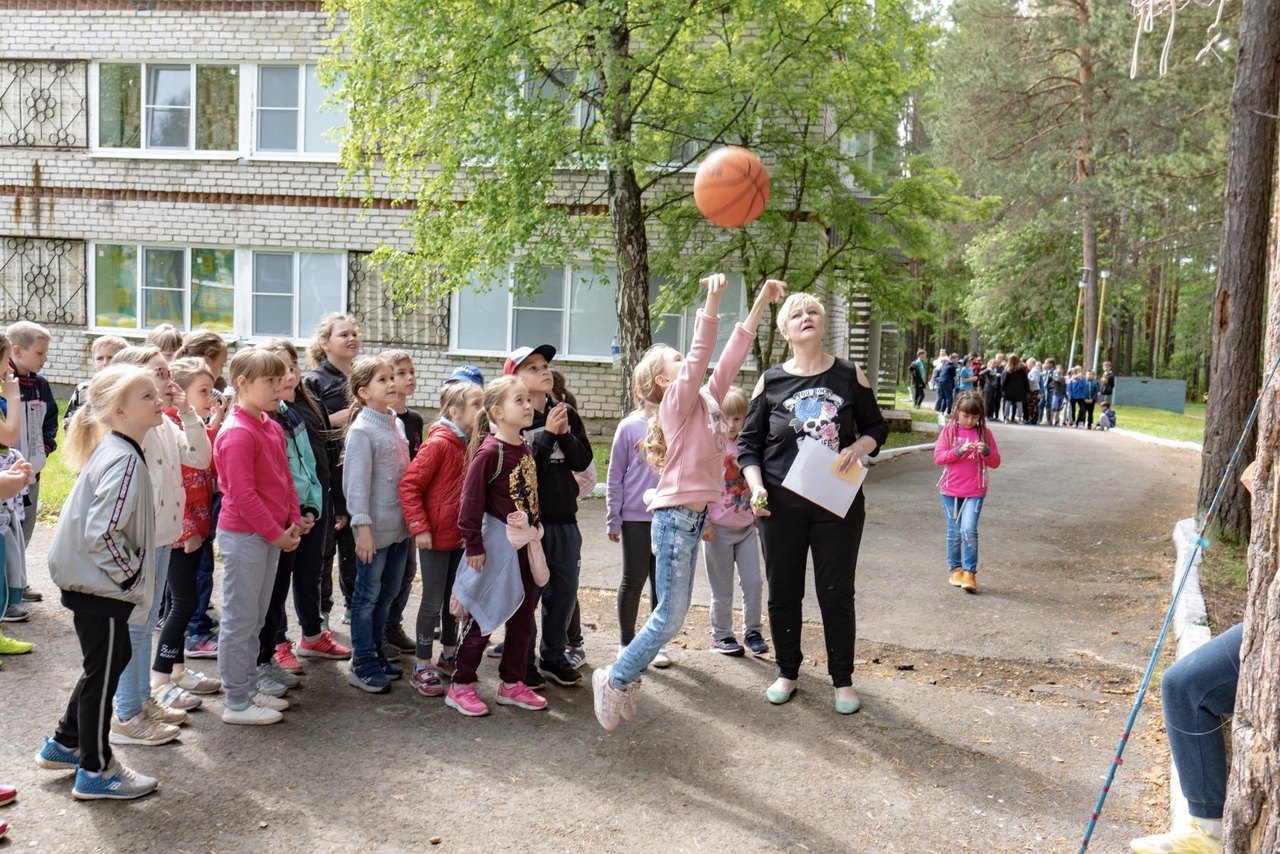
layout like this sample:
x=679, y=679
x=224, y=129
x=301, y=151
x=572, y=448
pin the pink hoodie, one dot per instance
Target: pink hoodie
x=964, y=476
x=694, y=470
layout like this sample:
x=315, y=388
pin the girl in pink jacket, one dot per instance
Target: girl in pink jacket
x=965, y=449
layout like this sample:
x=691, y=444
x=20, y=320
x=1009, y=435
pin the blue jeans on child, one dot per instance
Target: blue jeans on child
x=377, y=583
x=676, y=532
x=962, y=531
x=1196, y=692
x=135, y=682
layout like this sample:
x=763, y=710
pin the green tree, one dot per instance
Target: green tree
x=531, y=133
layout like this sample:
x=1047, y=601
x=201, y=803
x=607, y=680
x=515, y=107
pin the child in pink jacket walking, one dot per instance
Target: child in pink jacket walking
x=966, y=449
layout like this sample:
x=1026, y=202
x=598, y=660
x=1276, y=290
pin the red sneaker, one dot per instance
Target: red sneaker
x=286, y=659
x=4, y=829
x=323, y=647
x=520, y=695
x=8, y=794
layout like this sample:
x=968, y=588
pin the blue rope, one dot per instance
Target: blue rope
x=1200, y=544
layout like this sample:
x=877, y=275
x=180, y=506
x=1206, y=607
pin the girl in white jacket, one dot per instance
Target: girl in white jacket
x=139, y=719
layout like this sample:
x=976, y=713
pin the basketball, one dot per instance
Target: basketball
x=731, y=187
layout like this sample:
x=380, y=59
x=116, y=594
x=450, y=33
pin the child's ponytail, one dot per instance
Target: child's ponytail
x=648, y=394
x=495, y=394
x=107, y=393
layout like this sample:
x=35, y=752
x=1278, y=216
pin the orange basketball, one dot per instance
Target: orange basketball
x=731, y=187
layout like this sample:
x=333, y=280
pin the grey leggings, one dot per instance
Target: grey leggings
x=438, y=571
x=637, y=565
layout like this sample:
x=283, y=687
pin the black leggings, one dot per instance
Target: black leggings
x=637, y=565
x=342, y=543
x=275, y=619
x=183, y=569
x=794, y=528
x=307, y=570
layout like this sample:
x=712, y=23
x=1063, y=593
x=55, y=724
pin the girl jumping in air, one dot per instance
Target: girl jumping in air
x=686, y=443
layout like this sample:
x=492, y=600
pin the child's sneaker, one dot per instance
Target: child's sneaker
x=494, y=651
x=520, y=695
x=141, y=730
x=275, y=704
x=728, y=646
x=628, y=710
x=251, y=715
x=115, y=783
x=608, y=700
x=465, y=699
x=156, y=712
x=956, y=577
x=202, y=646
x=323, y=647
x=284, y=677
x=55, y=757
x=576, y=656
x=1192, y=839
x=755, y=643
x=560, y=672
x=9, y=646
x=662, y=661
x=197, y=683
x=427, y=681
x=376, y=682
x=346, y=616
x=395, y=636
x=170, y=696
x=286, y=659
x=444, y=665
x=392, y=670
x=29, y=595
x=534, y=679
x=8, y=794
x=16, y=614
x=268, y=685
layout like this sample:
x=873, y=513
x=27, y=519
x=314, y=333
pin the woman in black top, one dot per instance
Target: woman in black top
x=1015, y=386
x=332, y=351
x=812, y=397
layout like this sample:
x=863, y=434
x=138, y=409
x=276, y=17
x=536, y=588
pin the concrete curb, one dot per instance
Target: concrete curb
x=1189, y=627
x=895, y=452
x=1156, y=440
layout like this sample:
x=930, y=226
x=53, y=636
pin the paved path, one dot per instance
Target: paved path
x=987, y=722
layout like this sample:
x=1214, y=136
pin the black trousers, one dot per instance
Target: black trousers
x=342, y=543
x=308, y=573
x=917, y=395
x=637, y=566
x=86, y=724
x=184, y=567
x=275, y=618
x=795, y=528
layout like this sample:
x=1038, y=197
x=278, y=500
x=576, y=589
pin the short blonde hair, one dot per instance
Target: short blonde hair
x=107, y=343
x=396, y=357
x=801, y=300
x=167, y=337
x=735, y=402
x=24, y=333
x=253, y=363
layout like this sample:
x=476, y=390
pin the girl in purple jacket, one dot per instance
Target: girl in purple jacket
x=966, y=449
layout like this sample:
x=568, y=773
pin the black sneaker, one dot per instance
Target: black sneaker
x=560, y=672
x=391, y=652
x=534, y=679
x=755, y=643
x=728, y=646
x=395, y=636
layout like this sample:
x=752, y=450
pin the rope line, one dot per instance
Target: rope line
x=1200, y=544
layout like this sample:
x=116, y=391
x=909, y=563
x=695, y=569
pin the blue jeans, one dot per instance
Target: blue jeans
x=200, y=624
x=377, y=583
x=675, y=534
x=1196, y=692
x=962, y=531
x=946, y=391
x=562, y=545
x=135, y=682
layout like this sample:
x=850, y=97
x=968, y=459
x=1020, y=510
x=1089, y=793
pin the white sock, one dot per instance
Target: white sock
x=1211, y=826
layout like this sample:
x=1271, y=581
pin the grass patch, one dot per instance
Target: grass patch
x=56, y=479
x=915, y=437
x=1188, y=427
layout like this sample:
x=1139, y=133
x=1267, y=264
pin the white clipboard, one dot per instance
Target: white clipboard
x=813, y=476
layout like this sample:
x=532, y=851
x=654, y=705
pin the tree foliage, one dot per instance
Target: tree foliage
x=532, y=133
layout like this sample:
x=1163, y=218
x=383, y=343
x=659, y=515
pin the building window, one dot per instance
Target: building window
x=575, y=311
x=282, y=293
x=675, y=329
x=168, y=107
x=292, y=114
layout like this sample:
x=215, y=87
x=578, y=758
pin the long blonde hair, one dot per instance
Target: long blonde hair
x=107, y=392
x=315, y=350
x=495, y=394
x=648, y=394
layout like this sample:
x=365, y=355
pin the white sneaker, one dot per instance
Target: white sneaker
x=1192, y=839
x=197, y=683
x=170, y=696
x=277, y=673
x=251, y=715
x=267, y=683
x=661, y=660
x=266, y=701
x=609, y=701
x=139, y=729
x=156, y=712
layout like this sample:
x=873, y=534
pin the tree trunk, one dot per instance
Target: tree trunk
x=1252, y=811
x=1242, y=274
x=1084, y=174
x=626, y=210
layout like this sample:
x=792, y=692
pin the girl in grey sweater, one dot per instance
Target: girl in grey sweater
x=377, y=454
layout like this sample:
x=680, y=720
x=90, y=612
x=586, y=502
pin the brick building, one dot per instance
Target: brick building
x=176, y=160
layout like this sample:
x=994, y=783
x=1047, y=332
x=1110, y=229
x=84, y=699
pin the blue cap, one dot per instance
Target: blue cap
x=466, y=374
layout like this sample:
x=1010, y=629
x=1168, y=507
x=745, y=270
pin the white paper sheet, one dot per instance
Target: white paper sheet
x=813, y=476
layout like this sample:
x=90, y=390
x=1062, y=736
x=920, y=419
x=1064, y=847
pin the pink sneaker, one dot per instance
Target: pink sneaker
x=427, y=681
x=287, y=660
x=520, y=695
x=464, y=699
x=323, y=647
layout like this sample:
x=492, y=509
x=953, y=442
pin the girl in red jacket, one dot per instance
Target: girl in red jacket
x=430, y=493
x=967, y=449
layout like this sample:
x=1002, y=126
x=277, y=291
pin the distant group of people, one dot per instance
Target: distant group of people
x=1018, y=391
